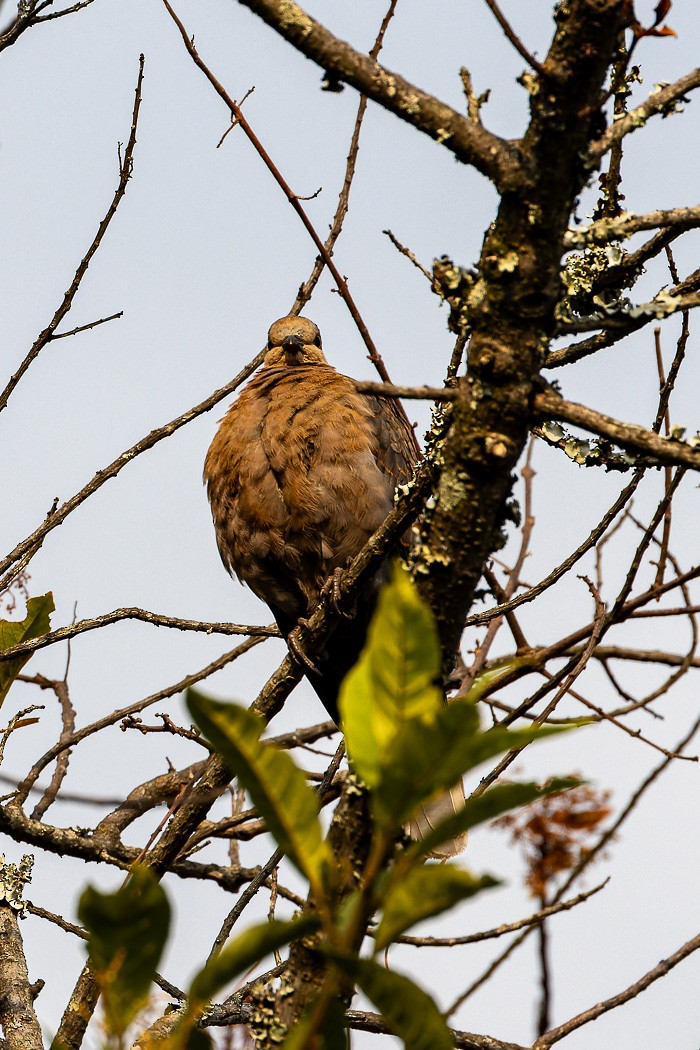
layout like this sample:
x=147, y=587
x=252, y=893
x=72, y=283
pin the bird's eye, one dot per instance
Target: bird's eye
x=317, y=340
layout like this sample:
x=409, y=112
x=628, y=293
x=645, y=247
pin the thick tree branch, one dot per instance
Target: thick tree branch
x=494, y=157
x=19, y=1022
x=511, y=314
x=549, y=405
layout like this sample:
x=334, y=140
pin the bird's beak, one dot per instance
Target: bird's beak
x=293, y=347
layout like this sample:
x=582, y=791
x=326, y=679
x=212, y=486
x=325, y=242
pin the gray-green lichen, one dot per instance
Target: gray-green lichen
x=581, y=273
x=660, y=306
x=266, y=1027
x=13, y=879
x=411, y=104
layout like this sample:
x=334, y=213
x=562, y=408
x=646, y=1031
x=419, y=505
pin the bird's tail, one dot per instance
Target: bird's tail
x=434, y=812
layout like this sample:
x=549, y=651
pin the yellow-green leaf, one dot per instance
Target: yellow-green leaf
x=422, y=892
x=394, y=679
x=427, y=758
x=274, y=782
x=128, y=930
x=495, y=800
x=408, y=1010
x=244, y=951
x=12, y=632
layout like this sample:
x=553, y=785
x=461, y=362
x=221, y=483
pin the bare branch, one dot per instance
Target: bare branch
x=364, y=1021
x=306, y=290
x=28, y=15
x=514, y=38
x=125, y=170
x=116, y=716
x=63, y=634
x=662, y=101
x=292, y=197
x=29, y=546
x=506, y=927
x=86, y=327
x=67, y=728
x=660, y=970
x=18, y=1018
x=66, y=11
x=568, y=563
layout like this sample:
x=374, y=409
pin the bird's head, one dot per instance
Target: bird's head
x=294, y=341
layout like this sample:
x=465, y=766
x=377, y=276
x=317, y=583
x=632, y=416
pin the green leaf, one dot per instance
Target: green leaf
x=128, y=930
x=276, y=785
x=500, y=674
x=428, y=758
x=422, y=892
x=12, y=632
x=247, y=949
x=330, y=1034
x=403, y=741
x=409, y=1012
x=394, y=679
x=495, y=800
x=334, y=1033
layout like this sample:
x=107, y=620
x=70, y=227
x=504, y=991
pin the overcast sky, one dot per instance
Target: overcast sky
x=203, y=255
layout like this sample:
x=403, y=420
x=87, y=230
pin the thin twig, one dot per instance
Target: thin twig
x=292, y=197
x=306, y=290
x=63, y=634
x=125, y=170
x=660, y=970
x=506, y=927
x=57, y=515
x=140, y=705
x=514, y=38
x=86, y=327
x=556, y=574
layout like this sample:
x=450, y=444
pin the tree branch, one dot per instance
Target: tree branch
x=661, y=101
x=125, y=169
x=548, y=404
x=18, y=1018
x=616, y=229
x=555, y=1034
x=63, y=634
x=29, y=546
x=494, y=157
x=511, y=314
x=365, y=1021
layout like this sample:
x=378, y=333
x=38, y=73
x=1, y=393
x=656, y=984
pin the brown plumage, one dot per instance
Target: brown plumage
x=301, y=472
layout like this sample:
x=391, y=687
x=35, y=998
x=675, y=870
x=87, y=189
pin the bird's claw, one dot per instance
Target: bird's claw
x=332, y=587
x=296, y=650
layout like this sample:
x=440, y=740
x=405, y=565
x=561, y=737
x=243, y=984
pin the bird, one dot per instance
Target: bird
x=302, y=470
